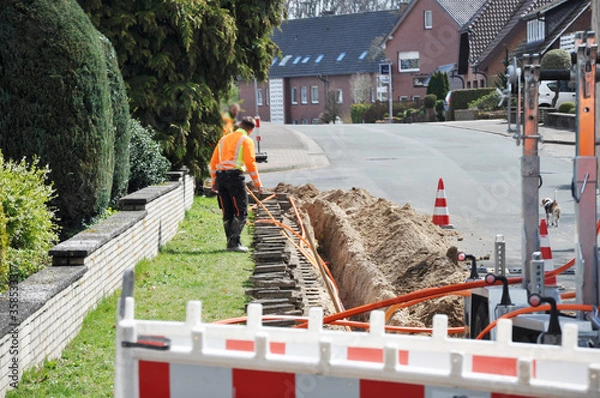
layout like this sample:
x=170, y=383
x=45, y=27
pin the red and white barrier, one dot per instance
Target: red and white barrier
x=252, y=360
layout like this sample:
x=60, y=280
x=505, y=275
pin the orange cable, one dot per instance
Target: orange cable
x=526, y=310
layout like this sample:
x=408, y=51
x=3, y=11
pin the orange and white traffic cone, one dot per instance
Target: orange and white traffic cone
x=441, y=215
x=546, y=253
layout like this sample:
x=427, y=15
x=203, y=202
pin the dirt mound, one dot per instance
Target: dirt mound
x=379, y=250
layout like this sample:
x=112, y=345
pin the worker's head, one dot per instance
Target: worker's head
x=234, y=109
x=248, y=124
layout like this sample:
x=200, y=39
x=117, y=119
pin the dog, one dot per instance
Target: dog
x=552, y=211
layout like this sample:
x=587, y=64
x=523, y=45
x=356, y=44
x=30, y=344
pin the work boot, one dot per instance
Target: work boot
x=234, y=243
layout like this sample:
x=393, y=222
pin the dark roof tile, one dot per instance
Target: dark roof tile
x=327, y=38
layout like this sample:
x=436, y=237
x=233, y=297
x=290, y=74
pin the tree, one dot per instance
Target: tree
x=439, y=84
x=361, y=85
x=332, y=110
x=179, y=58
x=60, y=99
x=315, y=8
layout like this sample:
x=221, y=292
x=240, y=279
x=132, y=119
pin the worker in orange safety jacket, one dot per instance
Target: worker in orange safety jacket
x=233, y=156
x=229, y=119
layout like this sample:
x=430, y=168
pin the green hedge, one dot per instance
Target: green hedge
x=121, y=122
x=460, y=99
x=57, y=88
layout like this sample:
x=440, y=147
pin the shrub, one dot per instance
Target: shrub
x=460, y=99
x=357, y=112
x=487, y=102
x=4, y=270
x=565, y=107
x=572, y=111
x=556, y=59
x=439, y=84
x=121, y=122
x=439, y=108
x=61, y=99
x=26, y=222
x=148, y=165
x=430, y=100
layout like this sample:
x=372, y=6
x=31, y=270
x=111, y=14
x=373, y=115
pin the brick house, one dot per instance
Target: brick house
x=553, y=26
x=426, y=39
x=319, y=57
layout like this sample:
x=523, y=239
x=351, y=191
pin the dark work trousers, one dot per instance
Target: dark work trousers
x=233, y=200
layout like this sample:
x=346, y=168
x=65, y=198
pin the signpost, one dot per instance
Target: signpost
x=385, y=69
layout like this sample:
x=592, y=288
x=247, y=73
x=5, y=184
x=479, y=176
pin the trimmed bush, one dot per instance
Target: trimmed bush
x=460, y=99
x=566, y=107
x=556, y=59
x=62, y=100
x=26, y=222
x=429, y=101
x=121, y=122
x=148, y=165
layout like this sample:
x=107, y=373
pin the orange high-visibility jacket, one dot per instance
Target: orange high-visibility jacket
x=235, y=151
x=228, y=122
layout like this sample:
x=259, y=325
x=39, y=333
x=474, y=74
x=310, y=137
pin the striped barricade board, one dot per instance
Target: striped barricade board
x=195, y=359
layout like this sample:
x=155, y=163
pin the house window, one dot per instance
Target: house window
x=339, y=97
x=481, y=83
x=403, y=98
x=267, y=95
x=536, y=30
x=408, y=61
x=294, y=96
x=314, y=94
x=468, y=84
x=373, y=94
x=428, y=19
x=475, y=84
x=303, y=95
x=259, y=97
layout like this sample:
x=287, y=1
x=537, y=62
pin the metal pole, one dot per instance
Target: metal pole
x=585, y=173
x=256, y=98
x=390, y=94
x=530, y=164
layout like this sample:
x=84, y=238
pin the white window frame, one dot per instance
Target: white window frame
x=339, y=96
x=408, y=61
x=259, y=97
x=303, y=95
x=294, y=96
x=428, y=19
x=268, y=99
x=314, y=94
x=536, y=30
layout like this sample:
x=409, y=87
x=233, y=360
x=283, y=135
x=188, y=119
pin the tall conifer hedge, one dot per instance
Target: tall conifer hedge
x=61, y=98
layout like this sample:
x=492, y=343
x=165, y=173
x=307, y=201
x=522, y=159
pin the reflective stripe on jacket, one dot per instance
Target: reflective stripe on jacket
x=235, y=151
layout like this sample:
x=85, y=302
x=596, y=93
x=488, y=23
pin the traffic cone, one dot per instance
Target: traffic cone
x=441, y=215
x=546, y=252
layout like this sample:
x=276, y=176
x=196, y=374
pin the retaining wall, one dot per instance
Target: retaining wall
x=42, y=314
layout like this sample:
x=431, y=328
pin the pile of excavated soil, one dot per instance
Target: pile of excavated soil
x=378, y=250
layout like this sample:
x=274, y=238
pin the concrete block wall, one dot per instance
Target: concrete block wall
x=52, y=304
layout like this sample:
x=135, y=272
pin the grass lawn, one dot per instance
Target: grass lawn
x=193, y=266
